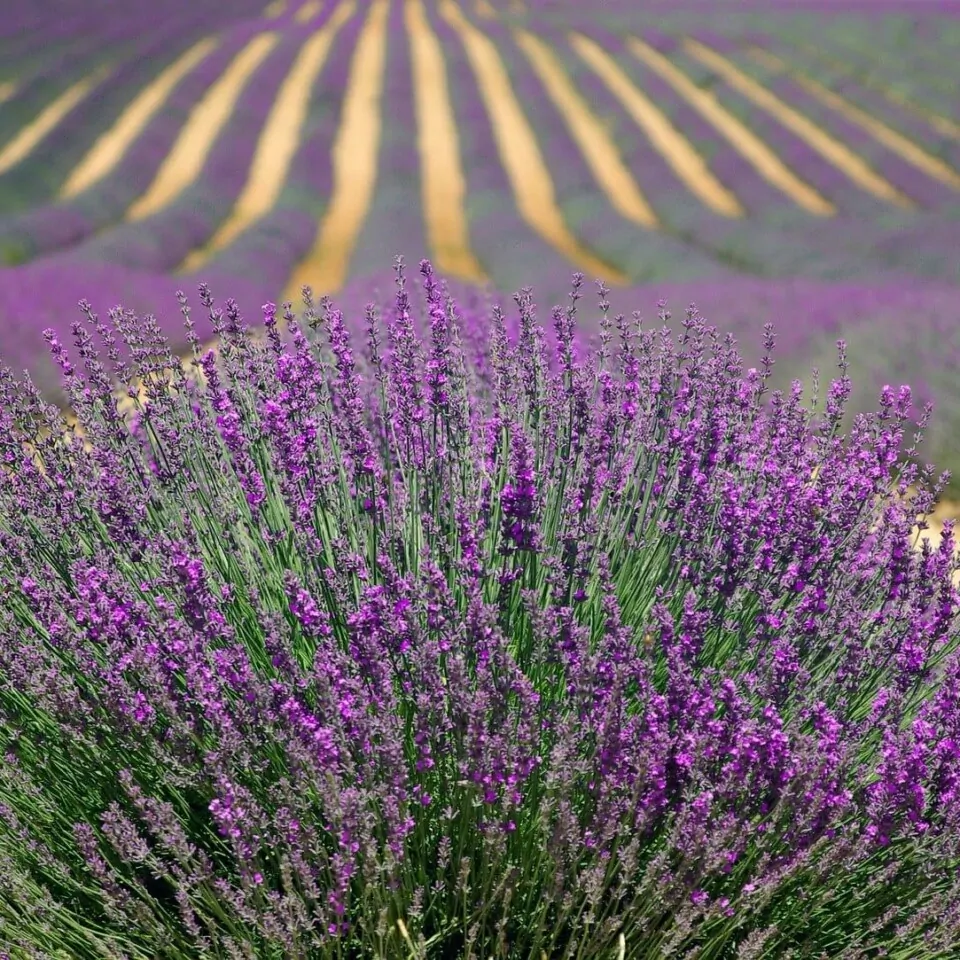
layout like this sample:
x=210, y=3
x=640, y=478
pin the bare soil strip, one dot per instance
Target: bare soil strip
x=894, y=141
x=308, y=11
x=111, y=148
x=595, y=143
x=737, y=134
x=24, y=143
x=278, y=140
x=943, y=125
x=354, y=154
x=444, y=184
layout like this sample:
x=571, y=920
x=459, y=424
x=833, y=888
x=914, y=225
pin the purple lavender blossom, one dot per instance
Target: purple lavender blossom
x=338, y=644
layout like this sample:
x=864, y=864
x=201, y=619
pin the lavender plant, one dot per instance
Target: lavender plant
x=461, y=644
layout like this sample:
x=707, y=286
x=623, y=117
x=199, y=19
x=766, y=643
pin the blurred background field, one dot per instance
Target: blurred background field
x=797, y=163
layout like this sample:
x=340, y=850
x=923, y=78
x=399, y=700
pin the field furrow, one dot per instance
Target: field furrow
x=926, y=79
x=355, y=156
x=443, y=181
x=585, y=176
x=26, y=22
x=737, y=135
x=395, y=222
x=19, y=147
x=44, y=116
x=585, y=165
x=833, y=150
x=922, y=177
x=308, y=12
x=63, y=49
x=686, y=163
x=196, y=185
x=67, y=222
x=308, y=142
x=756, y=244
x=794, y=152
x=592, y=139
x=928, y=130
x=111, y=147
x=266, y=252
x=620, y=152
x=183, y=164
x=768, y=241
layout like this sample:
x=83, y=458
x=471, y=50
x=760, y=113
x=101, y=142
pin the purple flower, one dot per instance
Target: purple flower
x=472, y=624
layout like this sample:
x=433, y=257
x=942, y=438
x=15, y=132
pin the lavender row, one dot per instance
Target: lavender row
x=510, y=252
x=760, y=199
x=99, y=17
x=925, y=66
x=66, y=223
x=394, y=224
x=767, y=211
x=134, y=52
x=32, y=186
x=849, y=83
x=914, y=60
x=776, y=238
x=800, y=157
x=915, y=184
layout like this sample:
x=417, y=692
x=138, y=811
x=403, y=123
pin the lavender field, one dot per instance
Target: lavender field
x=546, y=583
x=680, y=148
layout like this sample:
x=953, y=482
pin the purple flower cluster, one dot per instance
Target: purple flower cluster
x=467, y=639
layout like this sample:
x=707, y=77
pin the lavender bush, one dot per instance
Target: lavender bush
x=467, y=645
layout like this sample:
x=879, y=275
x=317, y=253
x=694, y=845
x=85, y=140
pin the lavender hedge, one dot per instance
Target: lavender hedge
x=42, y=295
x=442, y=642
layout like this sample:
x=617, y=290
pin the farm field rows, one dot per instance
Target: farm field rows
x=564, y=578
x=309, y=142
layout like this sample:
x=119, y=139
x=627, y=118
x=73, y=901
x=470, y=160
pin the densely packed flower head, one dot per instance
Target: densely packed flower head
x=430, y=635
